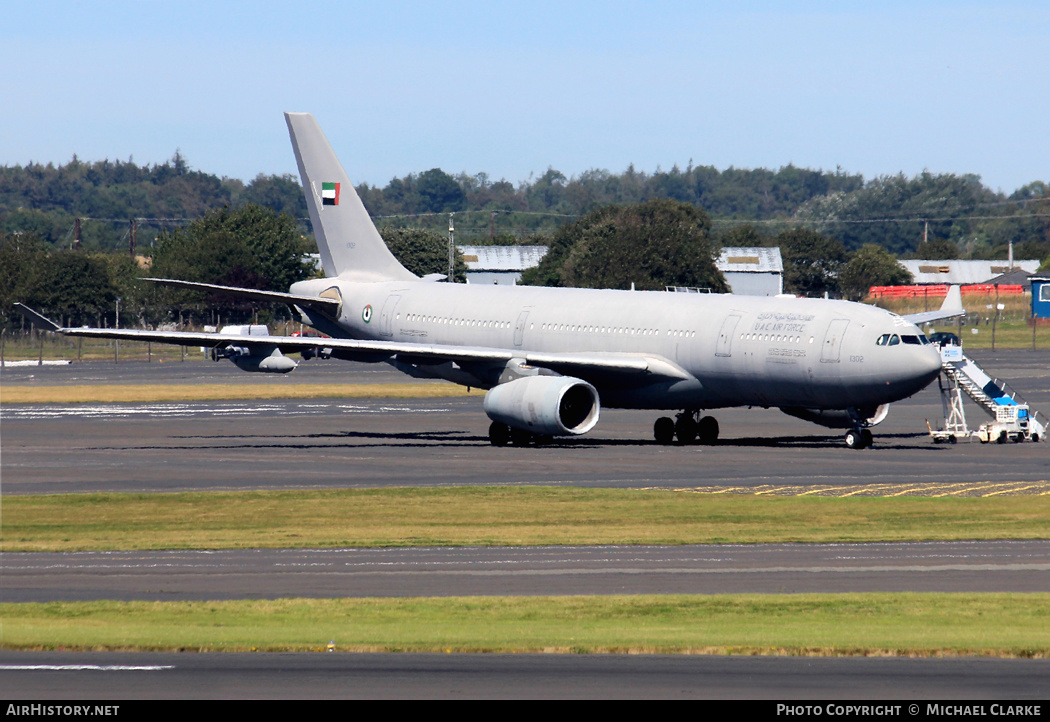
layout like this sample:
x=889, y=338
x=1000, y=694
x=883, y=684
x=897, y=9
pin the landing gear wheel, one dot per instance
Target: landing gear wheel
x=499, y=434
x=707, y=430
x=685, y=429
x=520, y=437
x=855, y=439
x=663, y=430
x=869, y=439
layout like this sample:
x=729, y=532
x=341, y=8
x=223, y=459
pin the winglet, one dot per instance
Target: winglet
x=953, y=300
x=950, y=308
x=43, y=321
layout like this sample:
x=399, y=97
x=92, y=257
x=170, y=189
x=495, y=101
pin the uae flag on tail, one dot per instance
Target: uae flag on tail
x=330, y=194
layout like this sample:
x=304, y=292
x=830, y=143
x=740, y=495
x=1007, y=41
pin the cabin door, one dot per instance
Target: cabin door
x=386, y=316
x=724, y=347
x=519, y=328
x=829, y=352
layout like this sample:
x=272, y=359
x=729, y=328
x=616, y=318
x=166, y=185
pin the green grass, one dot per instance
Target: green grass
x=155, y=393
x=514, y=516
x=1014, y=625
x=51, y=346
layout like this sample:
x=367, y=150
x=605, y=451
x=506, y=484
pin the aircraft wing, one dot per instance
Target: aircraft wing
x=329, y=305
x=951, y=308
x=586, y=365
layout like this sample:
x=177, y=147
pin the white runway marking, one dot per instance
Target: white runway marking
x=203, y=409
x=83, y=667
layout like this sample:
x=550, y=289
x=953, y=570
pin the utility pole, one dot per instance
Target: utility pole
x=76, y=234
x=116, y=324
x=451, y=248
x=995, y=314
x=134, y=232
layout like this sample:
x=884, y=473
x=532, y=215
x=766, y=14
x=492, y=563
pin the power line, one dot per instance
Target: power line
x=832, y=221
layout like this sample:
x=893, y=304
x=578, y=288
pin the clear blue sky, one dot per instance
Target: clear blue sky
x=511, y=88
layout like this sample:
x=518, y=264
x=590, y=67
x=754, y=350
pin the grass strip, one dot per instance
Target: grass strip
x=497, y=516
x=1012, y=625
x=152, y=393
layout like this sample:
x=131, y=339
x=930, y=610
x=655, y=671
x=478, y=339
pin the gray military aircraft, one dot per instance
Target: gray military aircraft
x=550, y=358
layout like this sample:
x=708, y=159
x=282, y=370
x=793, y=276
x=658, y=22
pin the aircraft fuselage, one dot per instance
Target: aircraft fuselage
x=739, y=350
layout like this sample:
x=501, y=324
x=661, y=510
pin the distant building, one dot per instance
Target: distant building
x=752, y=271
x=1040, y=297
x=500, y=265
x=963, y=273
x=314, y=259
x=1016, y=277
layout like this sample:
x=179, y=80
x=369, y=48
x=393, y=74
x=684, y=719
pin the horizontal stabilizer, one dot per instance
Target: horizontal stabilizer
x=329, y=306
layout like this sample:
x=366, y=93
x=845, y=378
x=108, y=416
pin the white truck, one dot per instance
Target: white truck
x=1011, y=424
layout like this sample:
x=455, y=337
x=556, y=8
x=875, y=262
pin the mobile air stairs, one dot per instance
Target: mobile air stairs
x=1012, y=418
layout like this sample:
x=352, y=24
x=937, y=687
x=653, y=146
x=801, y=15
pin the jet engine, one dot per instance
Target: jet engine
x=545, y=405
x=841, y=418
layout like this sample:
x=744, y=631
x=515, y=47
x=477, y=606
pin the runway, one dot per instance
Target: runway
x=332, y=443
x=1000, y=566
x=353, y=443
x=122, y=676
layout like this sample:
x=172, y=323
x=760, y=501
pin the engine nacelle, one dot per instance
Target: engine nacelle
x=546, y=405
x=841, y=418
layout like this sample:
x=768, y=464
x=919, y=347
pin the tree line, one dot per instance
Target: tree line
x=958, y=213
x=247, y=247
x=646, y=246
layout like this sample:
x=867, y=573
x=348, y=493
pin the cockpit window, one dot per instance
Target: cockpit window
x=892, y=339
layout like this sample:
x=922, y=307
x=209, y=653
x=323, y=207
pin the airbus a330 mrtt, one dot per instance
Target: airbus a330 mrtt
x=551, y=358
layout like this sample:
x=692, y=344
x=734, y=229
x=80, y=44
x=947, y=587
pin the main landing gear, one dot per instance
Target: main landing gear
x=859, y=438
x=686, y=427
x=501, y=435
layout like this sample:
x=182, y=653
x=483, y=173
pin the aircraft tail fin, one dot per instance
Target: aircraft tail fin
x=349, y=243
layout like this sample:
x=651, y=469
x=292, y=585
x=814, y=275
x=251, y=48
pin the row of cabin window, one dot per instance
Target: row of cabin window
x=455, y=321
x=566, y=327
x=561, y=327
x=772, y=337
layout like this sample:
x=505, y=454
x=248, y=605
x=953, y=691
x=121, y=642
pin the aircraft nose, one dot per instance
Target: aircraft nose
x=931, y=360
x=925, y=366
